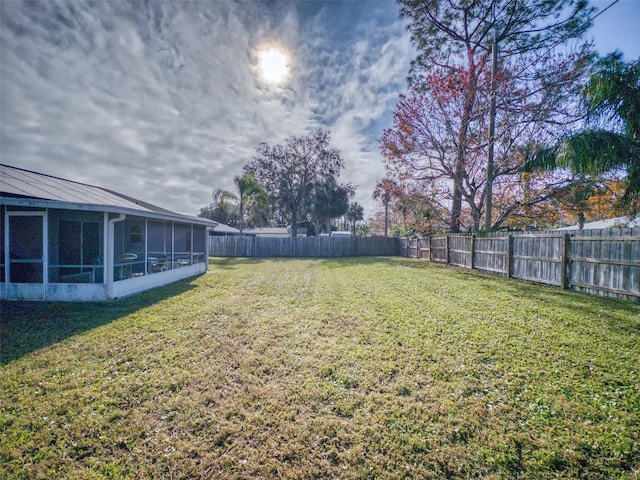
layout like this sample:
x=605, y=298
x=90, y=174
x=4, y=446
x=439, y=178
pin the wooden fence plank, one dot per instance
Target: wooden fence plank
x=598, y=262
x=564, y=261
x=236, y=246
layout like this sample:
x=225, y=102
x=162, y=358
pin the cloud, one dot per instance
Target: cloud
x=162, y=101
x=357, y=91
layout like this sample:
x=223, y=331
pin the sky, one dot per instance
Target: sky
x=165, y=101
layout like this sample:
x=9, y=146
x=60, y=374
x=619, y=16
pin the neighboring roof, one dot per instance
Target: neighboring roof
x=267, y=230
x=226, y=229
x=273, y=231
x=623, y=222
x=46, y=190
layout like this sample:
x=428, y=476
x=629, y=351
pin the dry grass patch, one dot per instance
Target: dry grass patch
x=354, y=368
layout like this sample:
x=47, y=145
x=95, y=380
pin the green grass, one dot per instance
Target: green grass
x=357, y=368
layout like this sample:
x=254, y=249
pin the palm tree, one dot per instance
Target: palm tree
x=327, y=200
x=250, y=191
x=611, y=94
x=222, y=196
x=223, y=208
x=355, y=214
x=385, y=191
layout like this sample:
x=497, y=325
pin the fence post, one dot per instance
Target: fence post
x=509, y=254
x=446, y=248
x=417, y=247
x=473, y=248
x=565, y=261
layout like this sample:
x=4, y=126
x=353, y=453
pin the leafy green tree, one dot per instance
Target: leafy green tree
x=288, y=170
x=223, y=197
x=327, y=200
x=250, y=193
x=611, y=96
x=355, y=214
x=363, y=230
x=208, y=212
x=223, y=209
x=386, y=190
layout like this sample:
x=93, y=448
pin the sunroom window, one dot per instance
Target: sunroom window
x=76, y=247
x=159, y=246
x=129, y=249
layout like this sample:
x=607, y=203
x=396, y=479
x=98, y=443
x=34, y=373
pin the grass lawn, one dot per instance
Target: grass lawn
x=352, y=368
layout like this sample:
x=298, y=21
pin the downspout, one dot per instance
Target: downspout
x=207, y=246
x=110, y=260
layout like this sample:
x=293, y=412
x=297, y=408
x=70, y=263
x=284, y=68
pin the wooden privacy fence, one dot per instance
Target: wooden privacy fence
x=597, y=262
x=244, y=246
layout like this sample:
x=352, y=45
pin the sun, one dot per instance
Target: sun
x=274, y=65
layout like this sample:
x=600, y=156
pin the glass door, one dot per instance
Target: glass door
x=26, y=247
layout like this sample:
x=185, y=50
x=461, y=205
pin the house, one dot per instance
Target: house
x=337, y=234
x=222, y=230
x=67, y=241
x=618, y=222
x=274, y=232
x=341, y=234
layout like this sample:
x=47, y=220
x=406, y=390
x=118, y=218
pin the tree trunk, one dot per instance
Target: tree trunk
x=459, y=172
x=492, y=135
x=386, y=219
x=294, y=222
x=456, y=208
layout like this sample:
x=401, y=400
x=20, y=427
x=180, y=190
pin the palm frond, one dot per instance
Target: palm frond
x=633, y=186
x=614, y=92
x=590, y=152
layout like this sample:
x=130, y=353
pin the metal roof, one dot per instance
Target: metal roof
x=223, y=228
x=17, y=183
x=624, y=222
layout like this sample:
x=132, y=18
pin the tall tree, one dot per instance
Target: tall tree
x=611, y=95
x=327, y=200
x=454, y=40
x=355, y=214
x=586, y=198
x=425, y=140
x=418, y=211
x=224, y=208
x=287, y=170
x=223, y=197
x=249, y=192
x=384, y=192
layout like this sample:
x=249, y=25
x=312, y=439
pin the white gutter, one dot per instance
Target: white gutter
x=90, y=207
x=110, y=257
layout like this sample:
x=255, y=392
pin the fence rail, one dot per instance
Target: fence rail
x=236, y=246
x=601, y=262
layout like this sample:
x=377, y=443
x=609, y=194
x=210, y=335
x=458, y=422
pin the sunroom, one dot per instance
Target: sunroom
x=67, y=241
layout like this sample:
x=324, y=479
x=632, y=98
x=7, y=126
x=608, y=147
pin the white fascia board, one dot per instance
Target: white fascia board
x=88, y=207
